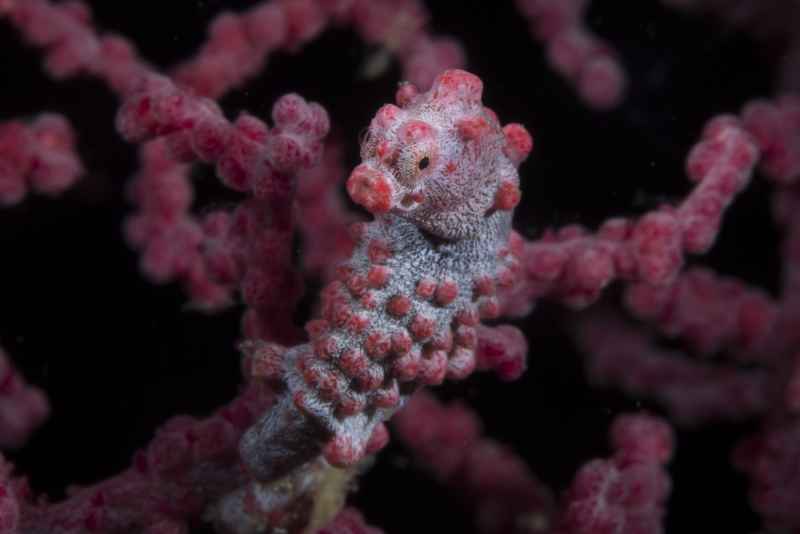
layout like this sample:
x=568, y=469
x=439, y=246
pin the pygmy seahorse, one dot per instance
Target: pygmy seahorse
x=439, y=175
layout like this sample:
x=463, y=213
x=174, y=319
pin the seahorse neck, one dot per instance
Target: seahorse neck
x=422, y=253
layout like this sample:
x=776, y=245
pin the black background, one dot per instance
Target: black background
x=118, y=355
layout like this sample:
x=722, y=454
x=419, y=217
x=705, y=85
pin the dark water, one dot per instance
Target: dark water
x=118, y=355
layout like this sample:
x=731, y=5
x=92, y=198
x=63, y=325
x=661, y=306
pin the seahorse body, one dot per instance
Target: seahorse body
x=439, y=174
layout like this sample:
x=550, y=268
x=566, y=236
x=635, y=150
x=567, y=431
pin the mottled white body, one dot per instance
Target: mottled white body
x=439, y=174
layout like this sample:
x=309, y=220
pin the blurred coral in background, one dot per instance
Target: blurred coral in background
x=177, y=237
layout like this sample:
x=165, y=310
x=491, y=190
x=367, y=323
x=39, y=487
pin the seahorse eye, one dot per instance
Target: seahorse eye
x=415, y=161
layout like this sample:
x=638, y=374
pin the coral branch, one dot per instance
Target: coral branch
x=22, y=407
x=574, y=51
x=400, y=27
x=250, y=249
x=502, y=349
x=349, y=521
x=188, y=465
x=70, y=44
x=620, y=355
x=447, y=440
x=39, y=156
x=239, y=44
x=770, y=460
x=775, y=125
x=625, y=494
x=574, y=266
x=710, y=312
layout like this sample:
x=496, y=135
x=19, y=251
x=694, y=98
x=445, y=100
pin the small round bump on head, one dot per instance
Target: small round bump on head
x=458, y=85
x=415, y=131
x=519, y=142
x=371, y=189
x=386, y=116
x=472, y=128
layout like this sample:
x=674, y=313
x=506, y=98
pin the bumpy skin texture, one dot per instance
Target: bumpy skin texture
x=439, y=174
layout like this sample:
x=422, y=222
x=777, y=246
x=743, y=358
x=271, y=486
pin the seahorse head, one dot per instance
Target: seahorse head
x=440, y=159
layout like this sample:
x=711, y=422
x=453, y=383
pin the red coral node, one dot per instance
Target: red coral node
x=446, y=292
x=398, y=306
x=421, y=327
x=371, y=189
x=519, y=142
